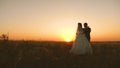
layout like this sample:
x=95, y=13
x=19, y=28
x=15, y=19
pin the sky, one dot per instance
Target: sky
x=56, y=20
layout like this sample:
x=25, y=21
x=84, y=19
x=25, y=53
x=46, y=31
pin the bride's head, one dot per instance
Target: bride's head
x=79, y=25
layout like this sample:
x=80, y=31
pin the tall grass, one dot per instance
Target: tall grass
x=31, y=54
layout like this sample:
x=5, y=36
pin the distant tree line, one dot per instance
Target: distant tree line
x=4, y=37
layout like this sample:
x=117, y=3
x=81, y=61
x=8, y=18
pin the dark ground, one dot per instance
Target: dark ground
x=31, y=54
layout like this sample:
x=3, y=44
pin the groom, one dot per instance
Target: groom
x=87, y=31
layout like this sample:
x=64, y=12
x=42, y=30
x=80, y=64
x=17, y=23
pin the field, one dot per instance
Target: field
x=32, y=54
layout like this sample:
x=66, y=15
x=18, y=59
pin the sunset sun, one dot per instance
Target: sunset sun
x=68, y=40
x=67, y=35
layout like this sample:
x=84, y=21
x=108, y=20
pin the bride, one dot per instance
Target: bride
x=81, y=45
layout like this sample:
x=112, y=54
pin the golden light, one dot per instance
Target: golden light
x=67, y=36
x=68, y=40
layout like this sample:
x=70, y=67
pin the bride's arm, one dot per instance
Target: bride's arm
x=77, y=31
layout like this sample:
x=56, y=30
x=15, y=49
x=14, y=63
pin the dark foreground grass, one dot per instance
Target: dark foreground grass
x=30, y=54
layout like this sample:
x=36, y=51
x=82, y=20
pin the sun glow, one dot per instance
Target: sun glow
x=67, y=36
x=68, y=40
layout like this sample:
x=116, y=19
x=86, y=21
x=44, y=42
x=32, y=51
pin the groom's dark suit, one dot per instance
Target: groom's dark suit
x=87, y=31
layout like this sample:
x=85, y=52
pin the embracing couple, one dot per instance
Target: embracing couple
x=82, y=44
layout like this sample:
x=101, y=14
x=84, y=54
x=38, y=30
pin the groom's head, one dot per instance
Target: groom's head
x=85, y=24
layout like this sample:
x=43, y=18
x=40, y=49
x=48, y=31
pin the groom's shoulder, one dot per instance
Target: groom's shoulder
x=88, y=27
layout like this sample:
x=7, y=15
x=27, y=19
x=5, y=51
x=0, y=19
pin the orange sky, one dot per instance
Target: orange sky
x=56, y=20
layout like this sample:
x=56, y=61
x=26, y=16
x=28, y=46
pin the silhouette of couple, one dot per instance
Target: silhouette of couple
x=81, y=44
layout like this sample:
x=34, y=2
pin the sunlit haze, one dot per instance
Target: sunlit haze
x=56, y=20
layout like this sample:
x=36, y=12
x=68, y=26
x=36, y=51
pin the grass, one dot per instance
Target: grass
x=31, y=54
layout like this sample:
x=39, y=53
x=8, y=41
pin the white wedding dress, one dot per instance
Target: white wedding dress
x=81, y=45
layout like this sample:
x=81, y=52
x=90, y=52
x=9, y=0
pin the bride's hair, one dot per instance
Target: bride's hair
x=79, y=25
x=79, y=29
